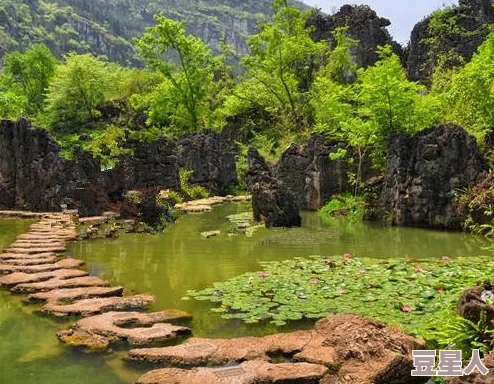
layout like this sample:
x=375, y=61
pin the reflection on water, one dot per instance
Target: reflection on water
x=168, y=265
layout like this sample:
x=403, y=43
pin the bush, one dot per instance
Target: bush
x=194, y=192
x=344, y=205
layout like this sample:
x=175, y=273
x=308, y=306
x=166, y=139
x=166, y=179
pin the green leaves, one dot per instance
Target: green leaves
x=396, y=292
x=188, y=67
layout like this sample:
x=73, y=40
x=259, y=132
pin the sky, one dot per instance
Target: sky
x=403, y=14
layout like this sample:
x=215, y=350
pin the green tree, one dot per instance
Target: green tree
x=188, y=67
x=76, y=93
x=28, y=75
x=278, y=70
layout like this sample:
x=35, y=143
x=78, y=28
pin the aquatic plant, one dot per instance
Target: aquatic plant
x=408, y=293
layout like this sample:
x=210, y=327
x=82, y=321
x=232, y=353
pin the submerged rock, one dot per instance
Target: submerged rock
x=424, y=174
x=270, y=197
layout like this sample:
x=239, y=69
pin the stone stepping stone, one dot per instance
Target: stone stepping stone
x=21, y=277
x=57, y=249
x=98, y=332
x=249, y=372
x=61, y=264
x=7, y=256
x=60, y=295
x=48, y=285
x=30, y=260
x=33, y=236
x=88, y=307
x=37, y=243
x=201, y=351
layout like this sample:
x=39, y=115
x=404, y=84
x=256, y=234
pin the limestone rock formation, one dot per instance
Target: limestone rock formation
x=211, y=158
x=270, y=197
x=471, y=305
x=435, y=36
x=312, y=176
x=363, y=25
x=425, y=172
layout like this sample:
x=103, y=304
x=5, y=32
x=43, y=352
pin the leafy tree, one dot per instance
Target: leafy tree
x=28, y=75
x=282, y=59
x=188, y=67
x=76, y=92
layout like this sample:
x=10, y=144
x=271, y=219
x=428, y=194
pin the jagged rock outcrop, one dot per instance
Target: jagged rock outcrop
x=270, y=197
x=425, y=172
x=434, y=36
x=312, y=176
x=211, y=158
x=363, y=25
x=33, y=174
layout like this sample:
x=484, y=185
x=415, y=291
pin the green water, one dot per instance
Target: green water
x=168, y=265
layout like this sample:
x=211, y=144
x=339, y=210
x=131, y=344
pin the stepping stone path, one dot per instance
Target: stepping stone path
x=207, y=204
x=35, y=263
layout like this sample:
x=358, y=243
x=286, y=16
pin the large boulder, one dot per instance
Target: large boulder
x=312, y=176
x=424, y=174
x=434, y=37
x=270, y=197
x=211, y=159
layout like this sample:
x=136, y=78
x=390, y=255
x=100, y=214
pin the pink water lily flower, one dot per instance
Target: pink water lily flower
x=340, y=291
x=262, y=274
x=406, y=309
x=418, y=268
x=361, y=271
x=314, y=281
x=446, y=258
x=346, y=255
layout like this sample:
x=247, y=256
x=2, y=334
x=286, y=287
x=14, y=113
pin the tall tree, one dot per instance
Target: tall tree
x=278, y=69
x=188, y=67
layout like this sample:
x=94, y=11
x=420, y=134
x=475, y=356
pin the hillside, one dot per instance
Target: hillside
x=107, y=27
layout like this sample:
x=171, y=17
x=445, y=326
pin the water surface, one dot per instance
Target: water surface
x=168, y=265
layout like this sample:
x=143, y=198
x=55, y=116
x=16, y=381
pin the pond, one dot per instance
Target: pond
x=181, y=259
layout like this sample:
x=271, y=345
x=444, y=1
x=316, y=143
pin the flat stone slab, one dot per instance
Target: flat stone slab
x=61, y=264
x=146, y=328
x=7, y=256
x=37, y=249
x=202, y=351
x=21, y=277
x=55, y=283
x=59, y=295
x=37, y=236
x=22, y=214
x=88, y=307
x=248, y=372
x=37, y=244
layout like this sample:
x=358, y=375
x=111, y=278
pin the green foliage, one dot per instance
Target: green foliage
x=469, y=97
x=76, y=93
x=194, y=192
x=28, y=74
x=281, y=61
x=456, y=332
x=379, y=102
x=344, y=205
x=407, y=293
x=181, y=100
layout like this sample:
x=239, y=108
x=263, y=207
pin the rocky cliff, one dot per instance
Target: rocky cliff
x=453, y=33
x=107, y=27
